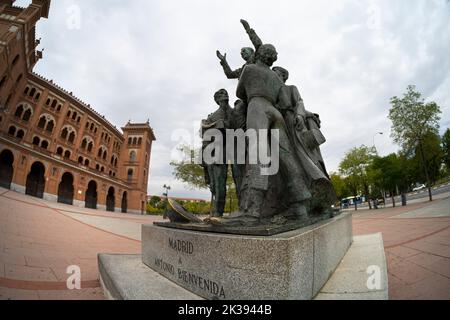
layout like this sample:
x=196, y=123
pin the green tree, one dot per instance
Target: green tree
x=340, y=186
x=354, y=167
x=156, y=202
x=433, y=156
x=388, y=174
x=446, y=149
x=192, y=174
x=411, y=119
x=188, y=171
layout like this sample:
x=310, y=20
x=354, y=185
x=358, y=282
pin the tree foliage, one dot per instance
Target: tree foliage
x=446, y=149
x=340, y=186
x=354, y=167
x=433, y=154
x=412, y=118
x=188, y=171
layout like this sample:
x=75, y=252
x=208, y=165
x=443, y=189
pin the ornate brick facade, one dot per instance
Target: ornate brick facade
x=54, y=146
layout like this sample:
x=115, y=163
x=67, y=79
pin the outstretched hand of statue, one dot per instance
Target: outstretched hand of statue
x=221, y=57
x=245, y=24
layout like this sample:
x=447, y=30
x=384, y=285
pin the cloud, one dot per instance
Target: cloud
x=156, y=60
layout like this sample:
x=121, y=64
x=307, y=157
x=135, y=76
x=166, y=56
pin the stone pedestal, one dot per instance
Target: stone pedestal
x=291, y=265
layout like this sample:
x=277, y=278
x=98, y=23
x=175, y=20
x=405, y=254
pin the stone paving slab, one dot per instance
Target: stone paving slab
x=417, y=247
x=38, y=243
x=34, y=233
x=126, y=277
x=349, y=281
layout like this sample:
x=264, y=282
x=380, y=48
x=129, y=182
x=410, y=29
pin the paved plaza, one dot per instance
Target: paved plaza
x=40, y=239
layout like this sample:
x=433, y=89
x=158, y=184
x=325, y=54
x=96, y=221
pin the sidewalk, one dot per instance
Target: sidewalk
x=38, y=241
x=417, y=246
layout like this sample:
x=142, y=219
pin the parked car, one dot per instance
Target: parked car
x=421, y=187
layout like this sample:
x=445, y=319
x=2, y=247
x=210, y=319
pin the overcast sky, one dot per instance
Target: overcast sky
x=139, y=59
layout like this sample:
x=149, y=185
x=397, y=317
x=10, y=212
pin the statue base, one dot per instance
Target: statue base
x=290, y=265
x=268, y=229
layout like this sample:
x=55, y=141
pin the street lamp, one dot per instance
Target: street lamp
x=378, y=133
x=166, y=194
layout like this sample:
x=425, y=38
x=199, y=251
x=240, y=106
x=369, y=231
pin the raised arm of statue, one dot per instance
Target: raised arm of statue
x=254, y=38
x=231, y=74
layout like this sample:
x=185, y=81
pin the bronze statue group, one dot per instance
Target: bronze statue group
x=301, y=190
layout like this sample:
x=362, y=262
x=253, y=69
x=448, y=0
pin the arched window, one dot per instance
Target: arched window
x=59, y=151
x=130, y=175
x=115, y=163
x=105, y=154
x=99, y=153
x=92, y=127
x=48, y=101
x=2, y=82
x=84, y=144
x=80, y=160
x=72, y=137
x=19, y=111
x=86, y=162
x=97, y=167
x=26, y=90
x=130, y=140
x=38, y=95
x=8, y=100
x=54, y=104
x=74, y=116
x=44, y=144
x=42, y=122
x=36, y=141
x=90, y=146
x=134, y=141
x=102, y=169
x=20, y=134
x=64, y=133
x=16, y=59
x=32, y=92
x=27, y=115
x=59, y=108
x=112, y=160
x=69, y=113
x=87, y=125
x=67, y=154
x=139, y=141
x=50, y=126
x=12, y=130
x=132, y=156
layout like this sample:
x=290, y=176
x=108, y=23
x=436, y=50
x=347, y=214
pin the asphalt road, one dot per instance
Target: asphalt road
x=415, y=195
x=424, y=193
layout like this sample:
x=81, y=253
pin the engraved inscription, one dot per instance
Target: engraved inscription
x=164, y=266
x=201, y=283
x=181, y=246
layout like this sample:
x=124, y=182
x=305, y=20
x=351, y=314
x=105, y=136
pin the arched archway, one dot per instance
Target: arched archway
x=124, y=202
x=36, y=180
x=6, y=168
x=91, y=195
x=65, y=189
x=110, y=200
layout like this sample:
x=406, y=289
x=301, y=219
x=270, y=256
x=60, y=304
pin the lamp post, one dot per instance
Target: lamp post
x=378, y=133
x=166, y=194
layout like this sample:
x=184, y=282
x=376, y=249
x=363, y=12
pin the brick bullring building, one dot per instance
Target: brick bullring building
x=54, y=146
